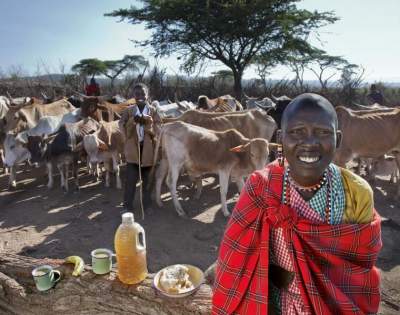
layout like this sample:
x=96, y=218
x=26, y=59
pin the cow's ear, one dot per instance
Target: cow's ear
x=240, y=148
x=102, y=145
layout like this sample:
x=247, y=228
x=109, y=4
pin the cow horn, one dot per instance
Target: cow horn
x=246, y=96
x=49, y=137
x=177, y=102
x=9, y=96
x=260, y=104
x=79, y=94
x=44, y=95
x=274, y=97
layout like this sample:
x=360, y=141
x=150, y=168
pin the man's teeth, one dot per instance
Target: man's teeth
x=307, y=159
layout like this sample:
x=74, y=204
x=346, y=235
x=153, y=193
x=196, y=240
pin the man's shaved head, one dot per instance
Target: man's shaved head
x=308, y=101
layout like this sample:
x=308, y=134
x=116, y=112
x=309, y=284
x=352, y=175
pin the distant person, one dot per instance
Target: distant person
x=375, y=96
x=93, y=89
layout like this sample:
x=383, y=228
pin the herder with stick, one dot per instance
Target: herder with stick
x=139, y=123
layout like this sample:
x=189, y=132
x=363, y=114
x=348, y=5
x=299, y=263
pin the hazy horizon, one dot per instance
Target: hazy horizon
x=46, y=34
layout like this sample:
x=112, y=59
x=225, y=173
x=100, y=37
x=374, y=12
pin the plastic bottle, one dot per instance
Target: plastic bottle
x=130, y=249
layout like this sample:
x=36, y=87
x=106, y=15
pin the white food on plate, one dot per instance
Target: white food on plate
x=175, y=279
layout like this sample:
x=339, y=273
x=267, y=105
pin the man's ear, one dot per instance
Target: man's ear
x=339, y=137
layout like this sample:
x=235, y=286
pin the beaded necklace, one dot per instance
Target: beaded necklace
x=326, y=179
x=311, y=188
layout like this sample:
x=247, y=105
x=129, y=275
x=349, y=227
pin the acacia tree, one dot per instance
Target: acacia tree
x=115, y=68
x=90, y=67
x=323, y=62
x=110, y=68
x=233, y=32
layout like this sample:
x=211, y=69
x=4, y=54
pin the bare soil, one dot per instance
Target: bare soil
x=40, y=223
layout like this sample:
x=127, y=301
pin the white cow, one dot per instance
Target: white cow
x=166, y=109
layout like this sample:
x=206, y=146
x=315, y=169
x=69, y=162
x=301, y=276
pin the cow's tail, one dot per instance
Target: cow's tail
x=155, y=158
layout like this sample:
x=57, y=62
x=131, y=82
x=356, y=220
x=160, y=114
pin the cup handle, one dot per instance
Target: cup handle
x=55, y=278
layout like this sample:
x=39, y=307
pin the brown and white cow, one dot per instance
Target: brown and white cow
x=201, y=151
x=23, y=117
x=105, y=145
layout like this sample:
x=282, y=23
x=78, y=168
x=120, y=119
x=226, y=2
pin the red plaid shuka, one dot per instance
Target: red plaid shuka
x=334, y=264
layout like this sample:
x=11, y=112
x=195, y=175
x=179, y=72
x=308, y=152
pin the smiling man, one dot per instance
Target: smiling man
x=304, y=236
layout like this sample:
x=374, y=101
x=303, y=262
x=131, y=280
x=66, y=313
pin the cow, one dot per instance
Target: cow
x=250, y=123
x=375, y=106
x=172, y=110
x=367, y=136
x=24, y=117
x=95, y=107
x=225, y=103
x=253, y=102
x=200, y=151
x=4, y=104
x=49, y=124
x=45, y=126
x=105, y=145
x=386, y=166
x=61, y=149
x=15, y=153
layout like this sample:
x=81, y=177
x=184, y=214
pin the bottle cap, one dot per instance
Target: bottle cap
x=128, y=217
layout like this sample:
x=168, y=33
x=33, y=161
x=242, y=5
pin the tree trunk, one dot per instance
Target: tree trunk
x=237, y=77
x=88, y=293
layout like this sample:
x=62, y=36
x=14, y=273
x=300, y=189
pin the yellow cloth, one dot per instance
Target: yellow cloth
x=359, y=206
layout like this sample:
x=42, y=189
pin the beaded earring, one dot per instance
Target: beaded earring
x=280, y=155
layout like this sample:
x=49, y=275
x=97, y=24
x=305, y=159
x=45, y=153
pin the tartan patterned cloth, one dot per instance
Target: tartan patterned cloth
x=334, y=264
x=290, y=300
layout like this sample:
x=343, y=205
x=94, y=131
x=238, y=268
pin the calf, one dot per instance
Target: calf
x=202, y=151
x=105, y=145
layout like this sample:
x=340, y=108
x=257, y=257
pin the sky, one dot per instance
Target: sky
x=47, y=35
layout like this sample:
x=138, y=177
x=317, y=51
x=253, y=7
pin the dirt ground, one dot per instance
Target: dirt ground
x=40, y=223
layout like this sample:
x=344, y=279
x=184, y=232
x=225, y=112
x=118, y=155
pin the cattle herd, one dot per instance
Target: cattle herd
x=214, y=136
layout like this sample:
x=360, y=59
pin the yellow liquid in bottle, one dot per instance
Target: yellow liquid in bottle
x=132, y=265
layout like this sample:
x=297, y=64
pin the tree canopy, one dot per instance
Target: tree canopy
x=233, y=32
x=90, y=67
x=109, y=68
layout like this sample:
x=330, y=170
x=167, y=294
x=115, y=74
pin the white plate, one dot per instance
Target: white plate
x=196, y=276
